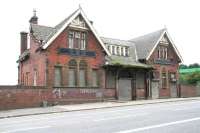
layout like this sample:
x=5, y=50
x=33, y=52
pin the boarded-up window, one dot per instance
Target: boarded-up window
x=110, y=79
x=164, y=80
x=82, y=73
x=140, y=77
x=57, y=76
x=35, y=78
x=72, y=78
x=72, y=73
x=94, y=78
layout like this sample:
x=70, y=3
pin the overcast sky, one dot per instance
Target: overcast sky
x=122, y=19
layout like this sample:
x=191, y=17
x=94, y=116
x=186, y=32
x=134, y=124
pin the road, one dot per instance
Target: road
x=174, y=117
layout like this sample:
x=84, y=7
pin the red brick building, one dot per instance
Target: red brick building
x=72, y=55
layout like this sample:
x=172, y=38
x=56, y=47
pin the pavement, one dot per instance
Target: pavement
x=86, y=106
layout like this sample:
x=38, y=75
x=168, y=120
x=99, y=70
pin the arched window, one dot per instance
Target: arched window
x=72, y=73
x=82, y=73
x=57, y=76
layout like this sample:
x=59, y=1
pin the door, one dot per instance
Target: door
x=173, y=90
x=155, y=90
x=124, y=90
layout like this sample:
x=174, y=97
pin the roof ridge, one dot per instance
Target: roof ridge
x=43, y=26
x=113, y=38
x=147, y=34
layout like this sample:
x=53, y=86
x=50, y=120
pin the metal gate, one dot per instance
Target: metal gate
x=155, y=90
x=124, y=90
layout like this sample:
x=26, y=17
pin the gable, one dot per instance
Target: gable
x=74, y=20
x=166, y=41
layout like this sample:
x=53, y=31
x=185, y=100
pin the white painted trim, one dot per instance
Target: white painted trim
x=153, y=49
x=79, y=11
x=173, y=45
x=136, y=53
x=61, y=29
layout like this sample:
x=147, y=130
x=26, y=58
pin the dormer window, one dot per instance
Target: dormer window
x=113, y=50
x=118, y=50
x=126, y=51
x=77, y=40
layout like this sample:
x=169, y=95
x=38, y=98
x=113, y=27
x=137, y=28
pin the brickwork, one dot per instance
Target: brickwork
x=56, y=59
x=168, y=68
x=188, y=90
x=12, y=97
x=140, y=93
x=36, y=62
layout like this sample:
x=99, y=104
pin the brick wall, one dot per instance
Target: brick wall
x=189, y=90
x=140, y=93
x=12, y=97
x=164, y=93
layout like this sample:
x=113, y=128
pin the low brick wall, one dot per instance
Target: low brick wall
x=140, y=93
x=189, y=90
x=164, y=93
x=12, y=97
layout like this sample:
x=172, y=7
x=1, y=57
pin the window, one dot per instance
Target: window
x=173, y=76
x=94, y=78
x=122, y=51
x=166, y=53
x=113, y=50
x=35, y=78
x=164, y=80
x=71, y=39
x=118, y=50
x=110, y=79
x=162, y=52
x=77, y=40
x=83, y=41
x=27, y=79
x=159, y=53
x=82, y=73
x=72, y=73
x=108, y=47
x=57, y=76
x=126, y=51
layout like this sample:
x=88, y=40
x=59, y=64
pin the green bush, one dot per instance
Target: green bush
x=191, y=78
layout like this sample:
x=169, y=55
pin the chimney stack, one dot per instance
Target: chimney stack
x=34, y=19
x=23, y=41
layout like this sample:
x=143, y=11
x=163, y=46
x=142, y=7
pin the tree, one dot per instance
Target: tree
x=183, y=66
x=193, y=78
x=195, y=65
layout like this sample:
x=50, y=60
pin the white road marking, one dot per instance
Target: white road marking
x=26, y=129
x=120, y=117
x=159, y=125
x=185, y=108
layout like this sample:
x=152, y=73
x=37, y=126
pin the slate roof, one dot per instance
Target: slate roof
x=128, y=61
x=111, y=41
x=45, y=33
x=144, y=44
